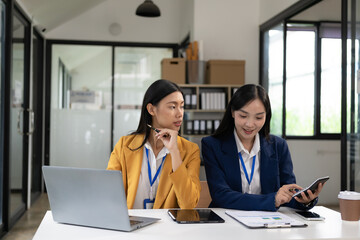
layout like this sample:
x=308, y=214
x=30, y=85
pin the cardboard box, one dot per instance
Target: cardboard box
x=173, y=69
x=225, y=72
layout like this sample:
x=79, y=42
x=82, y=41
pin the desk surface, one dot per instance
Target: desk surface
x=332, y=228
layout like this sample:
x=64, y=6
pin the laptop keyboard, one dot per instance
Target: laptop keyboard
x=133, y=222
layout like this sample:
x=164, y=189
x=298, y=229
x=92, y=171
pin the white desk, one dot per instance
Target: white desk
x=332, y=228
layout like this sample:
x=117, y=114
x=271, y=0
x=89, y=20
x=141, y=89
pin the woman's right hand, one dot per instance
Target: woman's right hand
x=285, y=193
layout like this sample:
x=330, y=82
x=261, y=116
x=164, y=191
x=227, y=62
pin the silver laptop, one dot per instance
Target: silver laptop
x=90, y=197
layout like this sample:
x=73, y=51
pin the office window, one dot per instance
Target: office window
x=275, y=74
x=330, y=82
x=300, y=77
x=312, y=81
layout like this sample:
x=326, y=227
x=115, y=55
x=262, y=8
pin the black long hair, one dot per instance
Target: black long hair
x=242, y=97
x=154, y=94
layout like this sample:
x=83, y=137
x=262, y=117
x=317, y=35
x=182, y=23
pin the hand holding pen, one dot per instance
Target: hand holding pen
x=157, y=130
x=169, y=138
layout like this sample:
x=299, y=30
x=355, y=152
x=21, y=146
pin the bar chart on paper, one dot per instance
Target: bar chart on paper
x=262, y=219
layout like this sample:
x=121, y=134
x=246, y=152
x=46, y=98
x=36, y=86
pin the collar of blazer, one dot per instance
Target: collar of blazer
x=133, y=163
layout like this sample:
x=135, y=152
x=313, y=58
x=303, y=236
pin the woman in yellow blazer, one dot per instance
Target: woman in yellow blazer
x=160, y=169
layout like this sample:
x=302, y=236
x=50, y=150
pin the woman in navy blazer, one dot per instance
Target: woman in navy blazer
x=246, y=167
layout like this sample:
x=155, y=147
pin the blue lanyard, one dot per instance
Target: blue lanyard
x=149, y=169
x=252, y=168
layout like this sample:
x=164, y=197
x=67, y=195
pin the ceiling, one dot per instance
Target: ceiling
x=49, y=14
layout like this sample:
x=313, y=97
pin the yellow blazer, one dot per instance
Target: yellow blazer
x=176, y=189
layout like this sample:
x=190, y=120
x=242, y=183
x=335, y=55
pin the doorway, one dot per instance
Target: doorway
x=19, y=105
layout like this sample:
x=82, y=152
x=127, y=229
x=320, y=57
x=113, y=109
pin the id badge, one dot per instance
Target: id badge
x=148, y=204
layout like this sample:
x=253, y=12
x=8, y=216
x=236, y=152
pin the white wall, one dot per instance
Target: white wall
x=187, y=19
x=329, y=10
x=94, y=24
x=270, y=8
x=229, y=30
x=313, y=159
x=201, y=17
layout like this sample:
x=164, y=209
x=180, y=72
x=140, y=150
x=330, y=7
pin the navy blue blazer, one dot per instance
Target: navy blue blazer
x=223, y=173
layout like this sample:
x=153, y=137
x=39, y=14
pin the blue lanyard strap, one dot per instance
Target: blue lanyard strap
x=252, y=168
x=149, y=169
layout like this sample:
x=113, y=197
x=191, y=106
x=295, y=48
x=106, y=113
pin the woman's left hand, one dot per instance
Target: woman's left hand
x=307, y=198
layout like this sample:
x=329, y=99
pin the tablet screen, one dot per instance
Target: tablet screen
x=195, y=216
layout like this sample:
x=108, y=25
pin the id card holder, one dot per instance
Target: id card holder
x=148, y=204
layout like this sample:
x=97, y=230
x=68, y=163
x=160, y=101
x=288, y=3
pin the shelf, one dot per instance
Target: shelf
x=204, y=102
x=204, y=111
x=207, y=97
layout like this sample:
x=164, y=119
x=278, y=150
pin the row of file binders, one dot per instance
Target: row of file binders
x=200, y=127
x=190, y=101
x=212, y=101
x=208, y=101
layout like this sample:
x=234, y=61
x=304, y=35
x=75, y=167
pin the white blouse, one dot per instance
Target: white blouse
x=144, y=189
x=255, y=186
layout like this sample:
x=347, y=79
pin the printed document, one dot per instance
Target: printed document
x=263, y=219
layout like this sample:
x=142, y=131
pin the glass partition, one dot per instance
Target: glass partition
x=17, y=125
x=80, y=121
x=135, y=70
x=81, y=99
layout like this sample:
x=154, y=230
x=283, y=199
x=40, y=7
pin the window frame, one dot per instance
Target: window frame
x=317, y=75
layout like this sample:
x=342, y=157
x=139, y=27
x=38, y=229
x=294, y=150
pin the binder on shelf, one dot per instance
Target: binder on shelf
x=189, y=127
x=193, y=101
x=202, y=126
x=187, y=104
x=203, y=101
x=207, y=101
x=216, y=124
x=223, y=100
x=217, y=101
x=212, y=100
x=196, y=127
x=209, y=127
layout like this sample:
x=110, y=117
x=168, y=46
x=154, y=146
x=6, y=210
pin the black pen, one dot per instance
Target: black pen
x=156, y=130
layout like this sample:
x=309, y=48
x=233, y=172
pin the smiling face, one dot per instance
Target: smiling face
x=249, y=120
x=169, y=112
